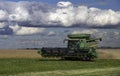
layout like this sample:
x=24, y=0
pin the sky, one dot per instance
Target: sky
x=105, y=4
x=46, y=23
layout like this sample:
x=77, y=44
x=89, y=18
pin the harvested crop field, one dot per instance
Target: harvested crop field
x=30, y=63
x=102, y=54
x=19, y=54
x=108, y=53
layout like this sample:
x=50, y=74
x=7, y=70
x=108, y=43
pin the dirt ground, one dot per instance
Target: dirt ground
x=102, y=54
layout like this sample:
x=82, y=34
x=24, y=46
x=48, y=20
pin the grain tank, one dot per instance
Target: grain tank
x=79, y=46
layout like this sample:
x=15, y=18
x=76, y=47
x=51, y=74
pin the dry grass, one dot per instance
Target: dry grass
x=19, y=54
x=102, y=54
x=109, y=53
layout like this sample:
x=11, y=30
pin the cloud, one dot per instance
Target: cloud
x=20, y=30
x=3, y=15
x=20, y=14
x=3, y=24
x=103, y=17
x=63, y=14
x=64, y=4
x=92, y=16
x=51, y=33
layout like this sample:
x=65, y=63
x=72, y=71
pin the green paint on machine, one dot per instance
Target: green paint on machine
x=79, y=46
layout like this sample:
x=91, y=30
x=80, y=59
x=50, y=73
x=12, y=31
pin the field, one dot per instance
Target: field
x=29, y=63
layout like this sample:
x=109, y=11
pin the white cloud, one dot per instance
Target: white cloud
x=103, y=17
x=69, y=15
x=64, y=4
x=81, y=14
x=51, y=33
x=3, y=24
x=18, y=30
x=64, y=14
x=20, y=14
x=3, y=15
x=29, y=30
x=15, y=28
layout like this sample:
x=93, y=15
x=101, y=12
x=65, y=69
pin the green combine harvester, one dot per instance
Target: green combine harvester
x=79, y=46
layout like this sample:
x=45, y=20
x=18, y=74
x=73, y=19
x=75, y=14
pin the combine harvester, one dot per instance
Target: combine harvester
x=79, y=46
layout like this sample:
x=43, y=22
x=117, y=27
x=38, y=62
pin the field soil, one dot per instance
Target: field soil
x=102, y=53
